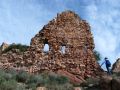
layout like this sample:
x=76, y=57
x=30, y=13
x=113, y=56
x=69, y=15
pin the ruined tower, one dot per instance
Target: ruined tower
x=70, y=46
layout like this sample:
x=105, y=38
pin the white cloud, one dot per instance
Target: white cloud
x=104, y=19
x=21, y=20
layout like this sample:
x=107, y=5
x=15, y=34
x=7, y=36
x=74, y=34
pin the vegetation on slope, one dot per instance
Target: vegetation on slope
x=22, y=48
x=97, y=55
x=12, y=80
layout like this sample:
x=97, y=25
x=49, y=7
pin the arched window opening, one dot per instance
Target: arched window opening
x=46, y=46
x=63, y=49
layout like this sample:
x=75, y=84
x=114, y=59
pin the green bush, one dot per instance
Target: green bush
x=62, y=80
x=21, y=47
x=12, y=80
x=52, y=78
x=97, y=55
x=92, y=81
x=32, y=86
x=34, y=81
x=66, y=86
x=2, y=79
x=58, y=79
x=21, y=86
x=22, y=76
x=2, y=72
x=8, y=85
x=6, y=76
x=12, y=72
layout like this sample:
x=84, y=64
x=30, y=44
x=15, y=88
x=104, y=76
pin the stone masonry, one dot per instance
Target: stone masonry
x=66, y=31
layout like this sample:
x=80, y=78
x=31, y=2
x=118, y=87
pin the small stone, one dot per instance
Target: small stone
x=41, y=88
x=77, y=88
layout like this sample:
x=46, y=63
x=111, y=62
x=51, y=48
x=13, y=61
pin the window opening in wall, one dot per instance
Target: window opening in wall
x=63, y=49
x=46, y=46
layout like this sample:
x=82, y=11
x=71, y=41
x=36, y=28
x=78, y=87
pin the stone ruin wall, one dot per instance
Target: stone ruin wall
x=66, y=30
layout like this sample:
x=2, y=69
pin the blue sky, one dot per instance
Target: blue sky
x=20, y=20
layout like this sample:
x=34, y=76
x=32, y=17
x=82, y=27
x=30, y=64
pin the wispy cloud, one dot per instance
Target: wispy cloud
x=104, y=19
x=21, y=20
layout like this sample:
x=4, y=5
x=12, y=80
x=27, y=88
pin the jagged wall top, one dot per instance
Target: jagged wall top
x=68, y=30
x=65, y=26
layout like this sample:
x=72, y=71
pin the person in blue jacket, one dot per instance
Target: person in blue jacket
x=108, y=65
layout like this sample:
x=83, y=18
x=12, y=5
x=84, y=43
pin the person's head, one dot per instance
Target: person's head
x=105, y=58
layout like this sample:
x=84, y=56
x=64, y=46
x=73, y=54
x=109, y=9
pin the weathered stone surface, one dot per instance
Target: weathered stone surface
x=116, y=66
x=109, y=83
x=4, y=46
x=66, y=31
x=72, y=77
x=106, y=83
x=70, y=31
x=77, y=88
x=12, y=59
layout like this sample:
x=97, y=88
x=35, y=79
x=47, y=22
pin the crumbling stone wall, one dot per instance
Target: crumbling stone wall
x=66, y=31
x=11, y=59
x=70, y=31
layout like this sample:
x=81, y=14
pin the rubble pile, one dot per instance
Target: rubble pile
x=70, y=48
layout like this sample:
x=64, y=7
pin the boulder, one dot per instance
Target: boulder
x=41, y=88
x=4, y=46
x=109, y=83
x=77, y=88
x=116, y=83
x=116, y=66
x=106, y=82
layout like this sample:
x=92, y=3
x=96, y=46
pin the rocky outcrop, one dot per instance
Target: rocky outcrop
x=72, y=77
x=70, y=49
x=110, y=83
x=116, y=83
x=4, y=46
x=41, y=88
x=116, y=66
